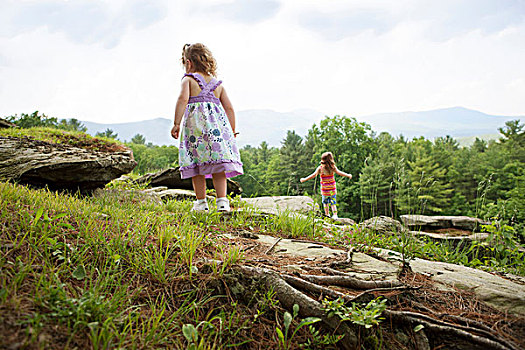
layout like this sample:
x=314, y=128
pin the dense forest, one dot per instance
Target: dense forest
x=391, y=175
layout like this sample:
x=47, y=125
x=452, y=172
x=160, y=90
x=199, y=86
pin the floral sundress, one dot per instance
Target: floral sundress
x=207, y=144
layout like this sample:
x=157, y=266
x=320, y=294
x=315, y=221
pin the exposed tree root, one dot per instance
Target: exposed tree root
x=308, y=290
x=485, y=341
x=466, y=321
x=273, y=246
x=458, y=319
x=288, y=296
x=314, y=288
x=347, y=261
x=350, y=282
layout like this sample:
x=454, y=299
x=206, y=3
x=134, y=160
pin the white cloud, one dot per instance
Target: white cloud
x=83, y=21
x=238, y=10
x=445, y=19
x=122, y=62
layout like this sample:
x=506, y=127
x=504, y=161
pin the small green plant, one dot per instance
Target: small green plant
x=189, y=241
x=294, y=224
x=318, y=341
x=501, y=237
x=229, y=258
x=236, y=202
x=282, y=337
x=191, y=334
x=199, y=341
x=60, y=250
x=43, y=225
x=264, y=302
x=127, y=184
x=367, y=316
x=46, y=220
x=505, y=251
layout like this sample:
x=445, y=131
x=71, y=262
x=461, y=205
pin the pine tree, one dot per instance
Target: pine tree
x=293, y=163
x=376, y=181
x=428, y=183
x=138, y=139
x=107, y=133
x=72, y=125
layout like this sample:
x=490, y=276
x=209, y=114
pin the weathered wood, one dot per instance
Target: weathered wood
x=484, y=341
x=346, y=281
x=308, y=307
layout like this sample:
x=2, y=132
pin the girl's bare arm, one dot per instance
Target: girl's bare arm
x=182, y=101
x=228, y=108
x=311, y=176
x=342, y=173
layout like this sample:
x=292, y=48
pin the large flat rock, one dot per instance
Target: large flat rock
x=277, y=204
x=425, y=221
x=60, y=166
x=503, y=293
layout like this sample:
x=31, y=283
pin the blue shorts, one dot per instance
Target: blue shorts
x=330, y=199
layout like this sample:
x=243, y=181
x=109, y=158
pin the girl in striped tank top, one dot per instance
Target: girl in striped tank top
x=327, y=169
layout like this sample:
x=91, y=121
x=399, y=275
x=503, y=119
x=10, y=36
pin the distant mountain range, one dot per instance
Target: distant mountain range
x=455, y=121
x=256, y=126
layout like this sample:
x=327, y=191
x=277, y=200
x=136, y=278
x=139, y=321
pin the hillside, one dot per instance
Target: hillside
x=256, y=126
x=118, y=270
x=455, y=121
x=466, y=141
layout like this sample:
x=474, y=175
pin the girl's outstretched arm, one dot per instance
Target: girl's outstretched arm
x=312, y=175
x=228, y=108
x=342, y=173
x=182, y=101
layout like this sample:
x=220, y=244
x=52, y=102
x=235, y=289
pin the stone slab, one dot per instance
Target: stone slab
x=503, y=293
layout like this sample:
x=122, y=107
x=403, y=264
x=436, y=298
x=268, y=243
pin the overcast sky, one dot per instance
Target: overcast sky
x=119, y=60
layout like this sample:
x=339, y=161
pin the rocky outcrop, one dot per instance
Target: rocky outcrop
x=345, y=221
x=127, y=195
x=450, y=229
x=424, y=222
x=277, y=204
x=384, y=225
x=453, y=239
x=295, y=206
x=59, y=166
x=171, y=179
x=5, y=124
x=503, y=293
x=176, y=194
x=156, y=195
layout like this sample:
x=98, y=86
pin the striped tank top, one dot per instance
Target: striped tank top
x=328, y=185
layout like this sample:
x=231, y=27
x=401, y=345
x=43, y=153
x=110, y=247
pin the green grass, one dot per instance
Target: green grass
x=109, y=271
x=69, y=138
x=482, y=255
x=119, y=271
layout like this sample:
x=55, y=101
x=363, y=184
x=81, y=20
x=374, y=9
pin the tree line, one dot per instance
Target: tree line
x=391, y=175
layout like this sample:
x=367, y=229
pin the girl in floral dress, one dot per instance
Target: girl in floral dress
x=207, y=132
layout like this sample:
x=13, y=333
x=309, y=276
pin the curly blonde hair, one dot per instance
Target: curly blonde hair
x=201, y=58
